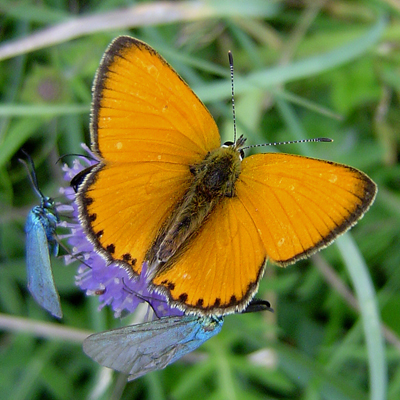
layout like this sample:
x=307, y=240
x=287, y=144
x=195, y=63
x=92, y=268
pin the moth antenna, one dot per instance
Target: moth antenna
x=140, y=296
x=31, y=173
x=76, y=257
x=230, y=56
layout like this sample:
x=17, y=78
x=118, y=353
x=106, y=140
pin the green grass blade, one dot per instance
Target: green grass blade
x=297, y=70
x=365, y=292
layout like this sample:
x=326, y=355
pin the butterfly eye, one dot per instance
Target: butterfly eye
x=230, y=144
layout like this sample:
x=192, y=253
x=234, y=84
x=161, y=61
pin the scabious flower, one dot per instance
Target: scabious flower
x=97, y=276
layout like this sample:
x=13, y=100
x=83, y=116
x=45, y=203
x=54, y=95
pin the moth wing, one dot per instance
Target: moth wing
x=40, y=276
x=139, y=349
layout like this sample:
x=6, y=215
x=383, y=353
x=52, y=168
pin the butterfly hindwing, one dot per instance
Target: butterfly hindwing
x=124, y=216
x=218, y=275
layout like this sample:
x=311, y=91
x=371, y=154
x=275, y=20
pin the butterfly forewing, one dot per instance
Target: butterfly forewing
x=299, y=204
x=144, y=111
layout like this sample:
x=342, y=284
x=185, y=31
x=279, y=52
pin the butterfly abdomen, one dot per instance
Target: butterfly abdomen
x=213, y=179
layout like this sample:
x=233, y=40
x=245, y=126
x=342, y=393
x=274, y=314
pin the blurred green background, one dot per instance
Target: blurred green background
x=303, y=69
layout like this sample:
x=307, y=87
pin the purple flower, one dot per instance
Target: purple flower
x=97, y=276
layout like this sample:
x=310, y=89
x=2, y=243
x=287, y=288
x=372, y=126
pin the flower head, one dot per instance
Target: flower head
x=96, y=275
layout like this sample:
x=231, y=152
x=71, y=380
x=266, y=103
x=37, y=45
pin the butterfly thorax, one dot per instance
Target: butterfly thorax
x=215, y=176
x=213, y=180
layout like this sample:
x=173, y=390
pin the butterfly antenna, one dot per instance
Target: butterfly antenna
x=230, y=56
x=289, y=142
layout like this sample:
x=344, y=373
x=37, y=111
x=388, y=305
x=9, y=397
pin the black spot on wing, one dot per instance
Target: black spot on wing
x=87, y=201
x=110, y=248
x=126, y=257
x=233, y=301
x=92, y=217
x=183, y=297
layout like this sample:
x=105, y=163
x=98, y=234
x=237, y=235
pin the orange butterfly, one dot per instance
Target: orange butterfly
x=204, y=218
